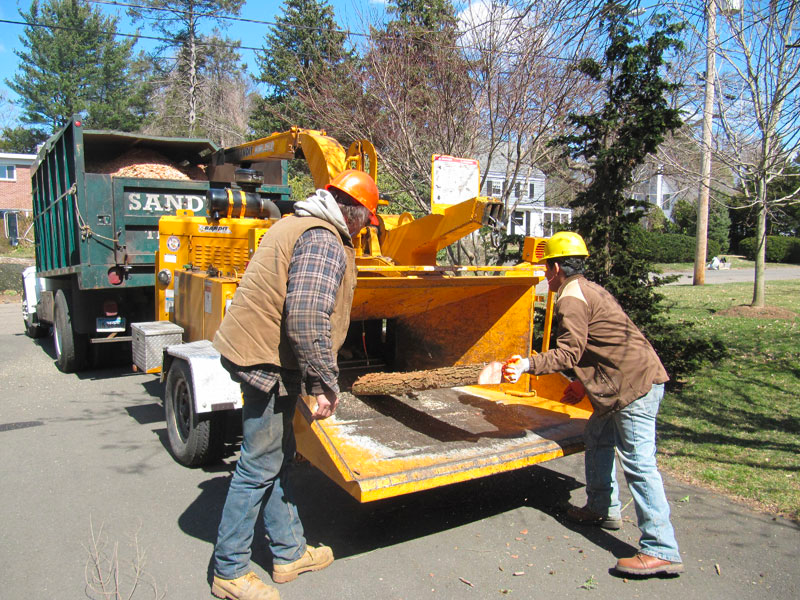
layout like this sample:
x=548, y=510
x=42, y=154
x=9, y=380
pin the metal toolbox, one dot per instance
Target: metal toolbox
x=149, y=341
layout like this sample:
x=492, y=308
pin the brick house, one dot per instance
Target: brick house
x=15, y=182
x=15, y=191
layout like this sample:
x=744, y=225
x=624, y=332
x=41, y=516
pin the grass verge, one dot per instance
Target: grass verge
x=735, y=426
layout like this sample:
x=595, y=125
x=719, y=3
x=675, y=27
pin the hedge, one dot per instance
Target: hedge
x=780, y=249
x=669, y=247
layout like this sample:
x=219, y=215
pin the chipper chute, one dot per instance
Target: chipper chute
x=378, y=446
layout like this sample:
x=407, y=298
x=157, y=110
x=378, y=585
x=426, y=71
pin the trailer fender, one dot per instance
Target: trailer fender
x=213, y=387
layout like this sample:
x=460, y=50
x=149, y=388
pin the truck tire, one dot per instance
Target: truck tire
x=33, y=329
x=71, y=347
x=194, y=440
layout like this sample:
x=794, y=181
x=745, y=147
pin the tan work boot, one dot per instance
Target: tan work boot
x=247, y=587
x=314, y=559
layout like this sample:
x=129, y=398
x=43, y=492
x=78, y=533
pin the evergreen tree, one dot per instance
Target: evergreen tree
x=613, y=141
x=304, y=38
x=71, y=64
x=21, y=140
x=684, y=216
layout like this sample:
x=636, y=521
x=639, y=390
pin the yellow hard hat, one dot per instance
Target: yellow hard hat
x=564, y=243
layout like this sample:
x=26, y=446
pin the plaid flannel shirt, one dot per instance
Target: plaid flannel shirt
x=316, y=271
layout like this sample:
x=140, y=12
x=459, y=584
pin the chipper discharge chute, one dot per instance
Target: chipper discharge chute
x=409, y=314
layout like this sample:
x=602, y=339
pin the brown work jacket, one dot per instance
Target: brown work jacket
x=608, y=353
x=252, y=331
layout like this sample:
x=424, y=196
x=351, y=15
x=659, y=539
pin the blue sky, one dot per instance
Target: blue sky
x=350, y=14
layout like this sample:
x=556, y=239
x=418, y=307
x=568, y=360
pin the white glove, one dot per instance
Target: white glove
x=514, y=367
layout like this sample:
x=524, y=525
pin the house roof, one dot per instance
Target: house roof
x=17, y=159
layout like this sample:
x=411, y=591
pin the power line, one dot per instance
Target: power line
x=346, y=32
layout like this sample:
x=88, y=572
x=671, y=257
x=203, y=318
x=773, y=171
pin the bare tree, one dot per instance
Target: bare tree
x=179, y=21
x=495, y=83
x=759, y=109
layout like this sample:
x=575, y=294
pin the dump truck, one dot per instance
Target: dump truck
x=410, y=313
x=97, y=200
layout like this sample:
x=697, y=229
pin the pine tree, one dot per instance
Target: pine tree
x=613, y=141
x=304, y=38
x=71, y=64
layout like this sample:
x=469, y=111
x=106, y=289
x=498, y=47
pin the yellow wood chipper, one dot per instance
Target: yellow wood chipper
x=409, y=313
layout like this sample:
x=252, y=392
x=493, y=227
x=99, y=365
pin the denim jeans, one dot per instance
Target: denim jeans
x=261, y=477
x=632, y=431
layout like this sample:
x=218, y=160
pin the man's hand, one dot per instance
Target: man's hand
x=574, y=393
x=326, y=404
x=514, y=367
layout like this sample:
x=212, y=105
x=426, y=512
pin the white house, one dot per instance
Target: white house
x=528, y=214
x=660, y=190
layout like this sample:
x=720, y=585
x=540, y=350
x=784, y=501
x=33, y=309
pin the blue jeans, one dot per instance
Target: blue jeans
x=261, y=478
x=632, y=432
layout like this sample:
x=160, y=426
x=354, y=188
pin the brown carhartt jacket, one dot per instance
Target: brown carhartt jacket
x=608, y=353
x=251, y=332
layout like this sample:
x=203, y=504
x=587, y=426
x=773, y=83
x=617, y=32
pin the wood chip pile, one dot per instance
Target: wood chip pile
x=146, y=164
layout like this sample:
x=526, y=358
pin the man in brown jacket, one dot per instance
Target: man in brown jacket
x=280, y=336
x=622, y=375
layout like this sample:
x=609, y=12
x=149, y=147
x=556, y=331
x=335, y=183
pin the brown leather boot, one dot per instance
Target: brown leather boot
x=585, y=516
x=313, y=560
x=644, y=564
x=247, y=587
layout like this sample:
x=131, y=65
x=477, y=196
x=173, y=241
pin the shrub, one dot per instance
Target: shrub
x=669, y=247
x=780, y=249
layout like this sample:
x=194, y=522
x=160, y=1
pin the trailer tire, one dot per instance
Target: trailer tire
x=33, y=328
x=194, y=440
x=71, y=347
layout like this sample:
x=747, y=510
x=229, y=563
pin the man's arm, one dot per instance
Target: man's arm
x=573, y=331
x=315, y=274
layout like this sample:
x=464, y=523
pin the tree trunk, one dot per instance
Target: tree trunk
x=387, y=384
x=761, y=250
x=192, y=78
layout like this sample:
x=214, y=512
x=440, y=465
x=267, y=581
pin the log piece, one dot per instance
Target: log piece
x=387, y=384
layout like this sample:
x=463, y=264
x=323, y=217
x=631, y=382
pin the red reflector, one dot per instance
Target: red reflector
x=110, y=308
x=77, y=123
x=115, y=275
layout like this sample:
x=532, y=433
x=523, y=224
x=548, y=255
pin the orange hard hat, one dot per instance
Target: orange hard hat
x=360, y=187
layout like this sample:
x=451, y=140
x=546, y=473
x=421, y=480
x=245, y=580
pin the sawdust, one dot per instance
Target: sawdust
x=146, y=164
x=755, y=312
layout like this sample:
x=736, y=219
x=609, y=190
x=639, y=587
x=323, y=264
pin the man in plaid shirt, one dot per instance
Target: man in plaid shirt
x=280, y=338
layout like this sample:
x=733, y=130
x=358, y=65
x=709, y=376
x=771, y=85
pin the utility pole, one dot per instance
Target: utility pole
x=708, y=116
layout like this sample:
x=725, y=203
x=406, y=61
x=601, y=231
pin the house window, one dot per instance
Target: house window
x=518, y=218
x=531, y=190
x=516, y=190
x=8, y=173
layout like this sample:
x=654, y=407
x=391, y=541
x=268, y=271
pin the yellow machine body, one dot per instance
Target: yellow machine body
x=409, y=313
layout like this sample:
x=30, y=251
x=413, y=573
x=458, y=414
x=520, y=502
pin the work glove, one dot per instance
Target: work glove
x=514, y=367
x=574, y=392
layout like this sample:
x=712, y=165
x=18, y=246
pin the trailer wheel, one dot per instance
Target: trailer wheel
x=194, y=440
x=33, y=329
x=71, y=347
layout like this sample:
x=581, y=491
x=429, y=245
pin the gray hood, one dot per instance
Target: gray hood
x=321, y=204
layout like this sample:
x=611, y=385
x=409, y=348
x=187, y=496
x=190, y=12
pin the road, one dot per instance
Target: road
x=739, y=275
x=86, y=453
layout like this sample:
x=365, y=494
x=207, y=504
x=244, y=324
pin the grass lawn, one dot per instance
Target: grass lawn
x=735, y=426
